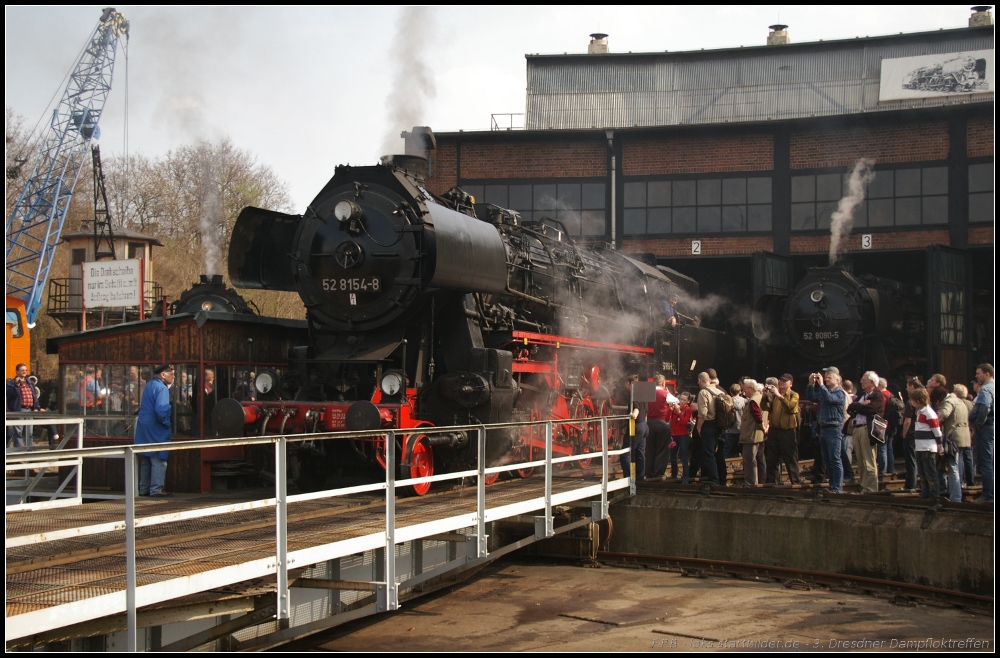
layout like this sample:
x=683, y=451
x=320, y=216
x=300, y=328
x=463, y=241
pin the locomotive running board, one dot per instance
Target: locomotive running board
x=529, y=338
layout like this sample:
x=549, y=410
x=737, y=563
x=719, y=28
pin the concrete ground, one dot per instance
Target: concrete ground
x=525, y=604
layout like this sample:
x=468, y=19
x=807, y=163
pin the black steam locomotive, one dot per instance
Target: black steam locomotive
x=211, y=294
x=428, y=310
x=856, y=322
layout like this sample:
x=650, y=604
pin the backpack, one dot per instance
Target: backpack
x=894, y=409
x=725, y=411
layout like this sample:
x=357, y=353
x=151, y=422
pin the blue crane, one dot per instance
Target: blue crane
x=36, y=222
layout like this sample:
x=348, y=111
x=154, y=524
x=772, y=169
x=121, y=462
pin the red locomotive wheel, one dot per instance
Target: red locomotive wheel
x=421, y=464
x=491, y=478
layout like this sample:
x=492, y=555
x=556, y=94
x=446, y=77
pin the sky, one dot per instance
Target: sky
x=307, y=88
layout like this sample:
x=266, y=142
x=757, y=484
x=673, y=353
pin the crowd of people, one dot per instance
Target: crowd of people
x=944, y=434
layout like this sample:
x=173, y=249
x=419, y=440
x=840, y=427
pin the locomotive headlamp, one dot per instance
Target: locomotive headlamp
x=816, y=296
x=392, y=382
x=206, y=305
x=265, y=381
x=346, y=211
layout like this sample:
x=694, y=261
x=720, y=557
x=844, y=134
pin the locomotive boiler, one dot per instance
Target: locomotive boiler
x=427, y=310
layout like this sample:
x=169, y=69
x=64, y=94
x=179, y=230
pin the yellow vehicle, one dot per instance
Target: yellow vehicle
x=17, y=341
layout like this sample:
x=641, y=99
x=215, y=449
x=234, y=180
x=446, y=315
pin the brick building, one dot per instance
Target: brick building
x=727, y=166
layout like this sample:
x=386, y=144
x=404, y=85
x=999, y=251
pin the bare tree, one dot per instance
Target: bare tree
x=18, y=154
x=190, y=200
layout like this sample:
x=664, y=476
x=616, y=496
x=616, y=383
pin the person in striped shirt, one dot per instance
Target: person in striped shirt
x=928, y=439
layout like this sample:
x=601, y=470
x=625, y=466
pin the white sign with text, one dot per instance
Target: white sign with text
x=112, y=283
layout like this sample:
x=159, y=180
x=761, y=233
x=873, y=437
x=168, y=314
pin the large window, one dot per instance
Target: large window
x=108, y=395
x=951, y=282
x=579, y=206
x=894, y=197
x=981, y=193
x=703, y=205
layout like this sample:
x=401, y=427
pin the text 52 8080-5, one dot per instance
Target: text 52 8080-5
x=353, y=284
x=820, y=335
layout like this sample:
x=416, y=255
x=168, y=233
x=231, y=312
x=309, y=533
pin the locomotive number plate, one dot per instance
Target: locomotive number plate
x=820, y=335
x=353, y=284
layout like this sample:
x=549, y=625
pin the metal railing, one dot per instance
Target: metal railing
x=387, y=591
x=66, y=297
x=507, y=121
x=34, y=463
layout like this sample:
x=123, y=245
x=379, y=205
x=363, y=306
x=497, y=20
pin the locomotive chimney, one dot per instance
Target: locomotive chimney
x=598, y=44
x=419, y=141
x=418, y=145
x=778, y=35
x=981, y=16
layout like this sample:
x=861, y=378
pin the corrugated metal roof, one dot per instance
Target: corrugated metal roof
x=732, y=85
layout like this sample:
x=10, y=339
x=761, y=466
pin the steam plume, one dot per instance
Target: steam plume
x=842, y=219
x=210, y=214
x=412, y=79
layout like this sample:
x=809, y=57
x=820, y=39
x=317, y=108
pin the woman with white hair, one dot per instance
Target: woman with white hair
x=752, y=433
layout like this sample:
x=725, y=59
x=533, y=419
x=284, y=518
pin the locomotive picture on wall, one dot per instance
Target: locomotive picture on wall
x=428, y=310
x=960, y=74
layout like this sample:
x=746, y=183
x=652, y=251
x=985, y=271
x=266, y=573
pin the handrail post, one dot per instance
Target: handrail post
x=388, y=598
x=549, y=437
x=79, y=463
x=281, y=528
x=130, y=578
x=481, y=496
x=605, y=467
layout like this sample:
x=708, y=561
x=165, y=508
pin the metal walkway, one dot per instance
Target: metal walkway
x=69, y=565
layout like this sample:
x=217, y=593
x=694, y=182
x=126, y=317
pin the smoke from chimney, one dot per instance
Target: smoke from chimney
x=412, y=79
x=210, y=217
x=842, y=220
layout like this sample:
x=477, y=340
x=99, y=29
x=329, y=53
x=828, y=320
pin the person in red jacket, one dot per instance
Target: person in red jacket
x=658, y=419
x=680, y=436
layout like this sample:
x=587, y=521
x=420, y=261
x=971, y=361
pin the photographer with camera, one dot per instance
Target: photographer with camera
x=824, y=389
x=782, y=406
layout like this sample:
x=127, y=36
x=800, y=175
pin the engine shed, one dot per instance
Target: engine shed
x=728, y=166
x=103, y=372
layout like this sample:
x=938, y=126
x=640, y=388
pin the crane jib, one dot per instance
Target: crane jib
x=36, y=221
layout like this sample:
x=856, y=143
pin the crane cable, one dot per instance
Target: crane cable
x=122, y=220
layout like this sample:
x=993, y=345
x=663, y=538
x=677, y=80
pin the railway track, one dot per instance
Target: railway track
x=895, y=592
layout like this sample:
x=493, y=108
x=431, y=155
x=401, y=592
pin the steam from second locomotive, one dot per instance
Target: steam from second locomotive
x=211, y=213
x=842, y=219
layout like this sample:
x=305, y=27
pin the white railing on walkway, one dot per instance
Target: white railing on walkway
x=33, y=463
x=135, y=596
